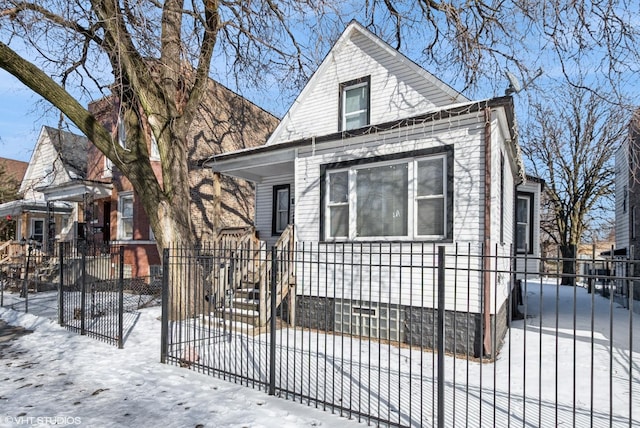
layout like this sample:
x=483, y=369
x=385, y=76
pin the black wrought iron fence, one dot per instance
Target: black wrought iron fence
x=406, y=334
x=94, y=296
x=91, y=293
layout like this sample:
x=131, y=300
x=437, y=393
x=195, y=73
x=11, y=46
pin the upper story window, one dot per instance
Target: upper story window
x=122, y=134
x=355, y=103
x=401, y=198
x=125, y=216
x=37, y=229
x=154, y=153
x=108, y=167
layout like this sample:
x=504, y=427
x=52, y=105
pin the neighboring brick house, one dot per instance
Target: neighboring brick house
x=226, y=122
x=13, y=169
x=12, y=174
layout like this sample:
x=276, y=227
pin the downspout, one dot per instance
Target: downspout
x=217, y=203
x=486, y=339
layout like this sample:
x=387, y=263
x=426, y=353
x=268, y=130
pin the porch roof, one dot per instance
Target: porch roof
x=75, y=190
x=256, y=163
x=15, y=208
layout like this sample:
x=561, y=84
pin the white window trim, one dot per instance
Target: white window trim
x=346, y=115
x=108, y=167
x=413, y=198
x=154, y=150
x=121, y=197
x=122, y=134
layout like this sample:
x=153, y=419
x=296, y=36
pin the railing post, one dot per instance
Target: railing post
x=164, y=330
x=441, y=272
x=272, y=322
x=83, y=290
x=121, y=298
x=61, y=285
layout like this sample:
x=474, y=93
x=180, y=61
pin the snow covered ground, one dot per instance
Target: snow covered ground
x=571, y=362
x=53, y=377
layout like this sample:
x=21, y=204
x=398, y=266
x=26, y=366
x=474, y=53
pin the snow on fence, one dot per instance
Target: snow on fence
x=525, y=351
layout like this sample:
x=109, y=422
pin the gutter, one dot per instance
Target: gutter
x=445, y=113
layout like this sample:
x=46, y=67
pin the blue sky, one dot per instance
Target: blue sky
x=20, y=123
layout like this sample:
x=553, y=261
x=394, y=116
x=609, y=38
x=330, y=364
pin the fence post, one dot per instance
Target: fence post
x=440, y=345
x=61, y=285
x=164, y=330
x=121, y=298
x=83, y=290
x=272, y=322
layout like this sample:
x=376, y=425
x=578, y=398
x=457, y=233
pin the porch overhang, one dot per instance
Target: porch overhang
x=255, y=164
x=75, y=191
x=15, y=208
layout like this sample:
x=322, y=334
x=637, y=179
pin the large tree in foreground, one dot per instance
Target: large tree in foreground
x=570, y=142
x=156, y=57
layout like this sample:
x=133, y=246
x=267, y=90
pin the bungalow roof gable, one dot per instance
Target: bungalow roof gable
x=57, y=157
x=398, y=87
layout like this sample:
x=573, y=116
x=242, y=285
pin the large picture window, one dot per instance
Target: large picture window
x=392, y=199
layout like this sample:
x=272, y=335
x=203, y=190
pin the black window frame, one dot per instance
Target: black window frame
x=274, y=207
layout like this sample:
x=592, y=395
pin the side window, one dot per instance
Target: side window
x=338, y=204
x=355, y=104
x=154, y=153
x=125, y=216
x=524, y=232
x=37, y=229
x=281, y=209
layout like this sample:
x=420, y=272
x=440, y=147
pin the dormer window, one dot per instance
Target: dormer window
x=354, y=103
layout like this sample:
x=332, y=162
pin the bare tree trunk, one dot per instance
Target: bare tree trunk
x=568, y=253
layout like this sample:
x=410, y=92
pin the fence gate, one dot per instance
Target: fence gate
x=90, y=295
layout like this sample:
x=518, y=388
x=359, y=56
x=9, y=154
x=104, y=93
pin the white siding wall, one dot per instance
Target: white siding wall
x=264, y=205
x=467, y=132
x=396, y=91
x=622, y=197
x=40, y=170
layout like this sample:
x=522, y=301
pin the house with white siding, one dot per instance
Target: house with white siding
x=59, y=159
x=376, y=164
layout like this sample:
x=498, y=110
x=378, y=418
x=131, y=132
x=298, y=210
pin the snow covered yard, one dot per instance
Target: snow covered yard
x=568, y=363
x=55, y=377
x=552, y=370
